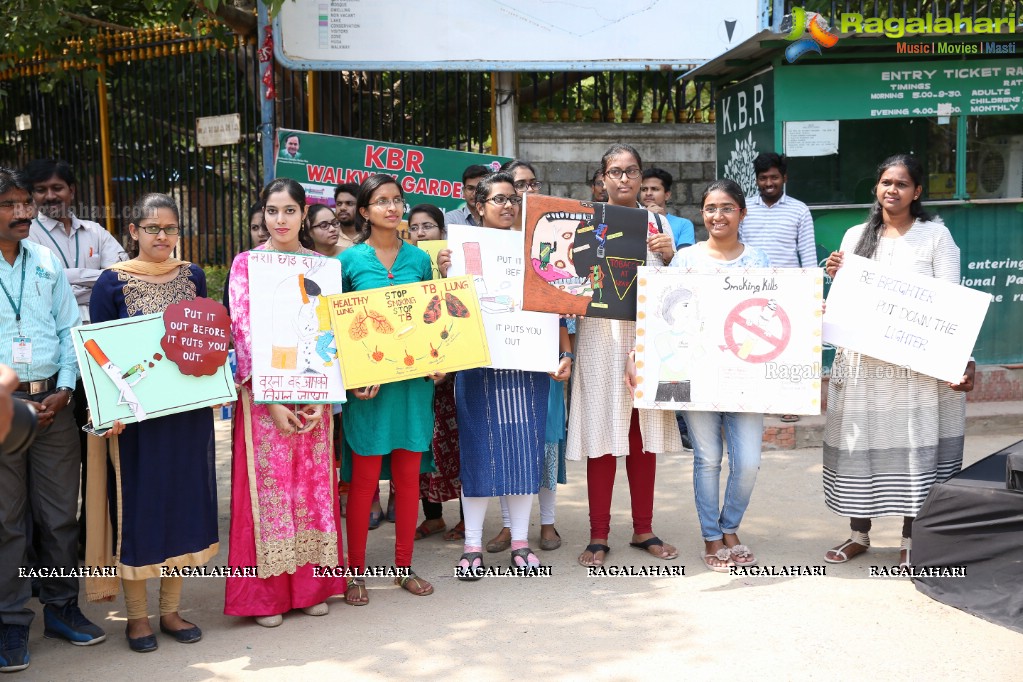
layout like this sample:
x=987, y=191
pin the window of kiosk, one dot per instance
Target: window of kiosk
x=994, y=157
x=849, y=176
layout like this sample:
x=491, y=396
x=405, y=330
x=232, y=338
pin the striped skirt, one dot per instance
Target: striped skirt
x=502, y=418
x=891, y=434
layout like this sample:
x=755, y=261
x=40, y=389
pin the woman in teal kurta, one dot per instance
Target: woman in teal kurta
x=390, y=425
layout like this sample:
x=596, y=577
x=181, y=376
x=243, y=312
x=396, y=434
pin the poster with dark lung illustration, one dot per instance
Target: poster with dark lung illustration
x=583, y=256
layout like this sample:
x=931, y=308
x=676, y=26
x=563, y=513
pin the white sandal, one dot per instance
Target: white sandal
x=856, y=538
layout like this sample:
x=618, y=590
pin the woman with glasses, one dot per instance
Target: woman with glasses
x=322, y=231
x=501, y=418
x=602, y=423
x=387, y=427
x=426, y=223
x=724, y=207
x=554, y=470
x=163, y=500
x=523, y=176
x=285, y=517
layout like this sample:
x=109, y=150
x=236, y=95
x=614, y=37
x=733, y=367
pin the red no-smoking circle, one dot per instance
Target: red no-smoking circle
x=777, y=344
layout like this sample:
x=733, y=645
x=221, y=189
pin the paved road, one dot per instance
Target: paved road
x=840, y=626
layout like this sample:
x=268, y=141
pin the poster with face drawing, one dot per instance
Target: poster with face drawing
x=518, y=339
x=729, y=339
x=582, y=256
x=294, y=356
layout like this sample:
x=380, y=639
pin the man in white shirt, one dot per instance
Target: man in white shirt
x=84, y=248
x=777, y=223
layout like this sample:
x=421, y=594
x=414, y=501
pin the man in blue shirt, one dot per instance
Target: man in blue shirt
x=654, y=194
x=467, y=214
x=39, y=310
x=778, y=224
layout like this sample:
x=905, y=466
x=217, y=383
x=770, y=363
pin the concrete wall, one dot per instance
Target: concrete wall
x=566, y=154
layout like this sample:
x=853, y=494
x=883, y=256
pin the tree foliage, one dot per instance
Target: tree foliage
x=53, y=26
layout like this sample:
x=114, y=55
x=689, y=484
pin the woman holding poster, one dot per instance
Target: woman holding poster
x=164, y=496
x=501, y=421
x=891, y=432
x=724, y=207
x=388, y=427
x=426, y=223
x=285, y=518
x=602, y=423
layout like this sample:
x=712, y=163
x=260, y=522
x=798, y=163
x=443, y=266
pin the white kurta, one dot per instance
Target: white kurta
x=891, y=432
x=601, y=411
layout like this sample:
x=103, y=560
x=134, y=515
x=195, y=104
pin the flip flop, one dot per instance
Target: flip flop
x=723, y=554
x=472, y=572
x=424, y=531
x=653, y=542
x=593, y=549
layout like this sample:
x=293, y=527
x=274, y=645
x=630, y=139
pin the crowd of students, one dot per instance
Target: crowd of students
x=480, y=434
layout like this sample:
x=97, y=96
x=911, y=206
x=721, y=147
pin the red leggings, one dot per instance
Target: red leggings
x=641, y=466
x=365, y=480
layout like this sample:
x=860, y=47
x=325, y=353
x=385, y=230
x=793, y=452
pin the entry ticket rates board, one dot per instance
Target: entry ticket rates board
x=901, y=89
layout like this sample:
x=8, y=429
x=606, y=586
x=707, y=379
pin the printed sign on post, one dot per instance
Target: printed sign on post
x=294, y=356
x=518, y=339
x=408, y=331
x=904, y=318
x=729, y=340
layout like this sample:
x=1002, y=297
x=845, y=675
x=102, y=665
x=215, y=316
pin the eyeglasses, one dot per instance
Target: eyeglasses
x=468, y=191
x=501, y=200
x=157, y=229
x=617, y=173
x=326, y=225
x=8, y=205
x=384, y=204
x=423, y=227
x=521, y=185
x=723, y=210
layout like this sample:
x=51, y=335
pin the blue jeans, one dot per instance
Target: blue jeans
x=744, y=432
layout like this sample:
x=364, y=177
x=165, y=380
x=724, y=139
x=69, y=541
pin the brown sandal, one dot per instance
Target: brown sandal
x=421, y=587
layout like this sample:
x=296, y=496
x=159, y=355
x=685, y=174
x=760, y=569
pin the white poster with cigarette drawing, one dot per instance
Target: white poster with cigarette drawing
x=904, y=318
x=729, y=339
x=294, y=356
x=494, y=258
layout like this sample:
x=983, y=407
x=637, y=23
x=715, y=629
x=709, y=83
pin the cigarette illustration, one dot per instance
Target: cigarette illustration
x=127, y=395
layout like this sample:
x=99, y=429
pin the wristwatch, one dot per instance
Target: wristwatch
x=567, y=354
x=70, y=392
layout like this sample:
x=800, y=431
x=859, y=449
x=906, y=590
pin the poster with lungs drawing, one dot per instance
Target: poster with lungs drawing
x=518, y=339
x=582, y=256
x=729, y=339
x=294, y=355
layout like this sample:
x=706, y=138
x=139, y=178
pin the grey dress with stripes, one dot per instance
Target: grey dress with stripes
x=891, y=432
